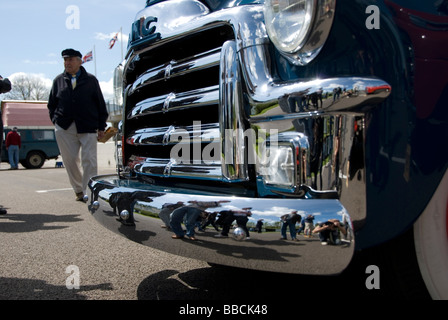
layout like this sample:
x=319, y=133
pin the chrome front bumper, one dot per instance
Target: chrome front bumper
x=111, y=196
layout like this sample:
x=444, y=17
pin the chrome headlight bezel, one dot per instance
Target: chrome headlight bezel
x=299, y=30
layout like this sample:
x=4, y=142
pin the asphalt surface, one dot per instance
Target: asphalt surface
x=50, y=243
x=46, y=231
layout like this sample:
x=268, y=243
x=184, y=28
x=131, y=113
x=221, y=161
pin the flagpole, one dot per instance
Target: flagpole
x=121, y=40
x=94, y=58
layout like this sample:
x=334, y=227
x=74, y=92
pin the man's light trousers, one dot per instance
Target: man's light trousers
x=70, y=144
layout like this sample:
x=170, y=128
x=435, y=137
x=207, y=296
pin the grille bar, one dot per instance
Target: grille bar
x=170, y=135
x=174, y=69
x=177, y=169
x=173, y=101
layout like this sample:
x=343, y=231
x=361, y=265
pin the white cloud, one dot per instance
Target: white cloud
x=108, y=89
x=47, y=82
x=42, y=62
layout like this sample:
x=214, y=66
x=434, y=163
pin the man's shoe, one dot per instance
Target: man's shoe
x=80, y=196
x=3, y=211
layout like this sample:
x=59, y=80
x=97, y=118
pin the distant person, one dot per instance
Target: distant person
x=210, y=218
x=329, y=232
x=5, y=86
x=259, y=225
x=302, y=226
x=13, y=144
x=78, y=111
x=242, y=218
x=165, y=213
x=229, y=216
x=189, y=213
x=309, y=225
x=290, y=220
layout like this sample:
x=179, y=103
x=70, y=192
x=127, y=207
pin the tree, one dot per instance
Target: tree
x=28, y=87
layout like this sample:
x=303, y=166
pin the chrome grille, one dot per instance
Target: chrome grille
x=172, y=106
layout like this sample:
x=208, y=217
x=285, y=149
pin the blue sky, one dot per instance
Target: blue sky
x=34, y=32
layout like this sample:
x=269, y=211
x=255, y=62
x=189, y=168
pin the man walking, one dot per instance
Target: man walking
x=78, y=111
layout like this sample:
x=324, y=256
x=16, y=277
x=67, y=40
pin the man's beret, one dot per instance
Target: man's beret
x=71, y=53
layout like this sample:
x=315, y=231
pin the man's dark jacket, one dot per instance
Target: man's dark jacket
x=84, y=105
x=5, y=85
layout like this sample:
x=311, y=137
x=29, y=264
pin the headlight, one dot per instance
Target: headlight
x=280, y=171
x=284, y=163
x=299, y=28
x=288, y=22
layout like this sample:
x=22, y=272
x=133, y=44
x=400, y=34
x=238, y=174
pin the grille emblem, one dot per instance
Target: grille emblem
x=167, y=102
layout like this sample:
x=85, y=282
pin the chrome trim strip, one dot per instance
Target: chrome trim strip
x=206, y=169
x=176, y=68
x=172, y=101
x=269, y=98
x=203, y=133
x=149, y=205
x=234, y=163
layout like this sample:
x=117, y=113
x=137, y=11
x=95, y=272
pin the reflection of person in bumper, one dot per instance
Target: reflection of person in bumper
x=290, y=220
x=191, y=214
x=329, y=231
x=229, y=216
x=166, y=211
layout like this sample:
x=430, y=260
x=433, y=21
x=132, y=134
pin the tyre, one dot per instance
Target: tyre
x=34, y=160
x=431, y=243
x=414, y=265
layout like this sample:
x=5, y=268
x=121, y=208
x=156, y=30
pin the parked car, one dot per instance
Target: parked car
x=38, y=145
x=35, y=129
x=335, y=109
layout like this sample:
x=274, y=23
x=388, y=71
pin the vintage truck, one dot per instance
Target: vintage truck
x=335, y=109
x=35, y=129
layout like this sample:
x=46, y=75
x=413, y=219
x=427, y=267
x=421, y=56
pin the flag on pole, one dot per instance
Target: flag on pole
x=88, y=57
x=113, y=40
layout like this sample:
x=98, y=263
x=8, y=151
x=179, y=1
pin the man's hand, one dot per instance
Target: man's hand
x=100, y=135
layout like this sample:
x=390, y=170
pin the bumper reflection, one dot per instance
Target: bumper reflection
x=242, y=232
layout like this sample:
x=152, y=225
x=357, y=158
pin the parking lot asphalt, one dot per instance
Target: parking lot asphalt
x=50, y=243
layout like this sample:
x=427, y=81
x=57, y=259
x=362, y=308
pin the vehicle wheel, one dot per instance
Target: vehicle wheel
x=34, y=160
x=431, y=242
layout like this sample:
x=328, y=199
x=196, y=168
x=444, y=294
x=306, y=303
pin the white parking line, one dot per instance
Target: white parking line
x=53, y=190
